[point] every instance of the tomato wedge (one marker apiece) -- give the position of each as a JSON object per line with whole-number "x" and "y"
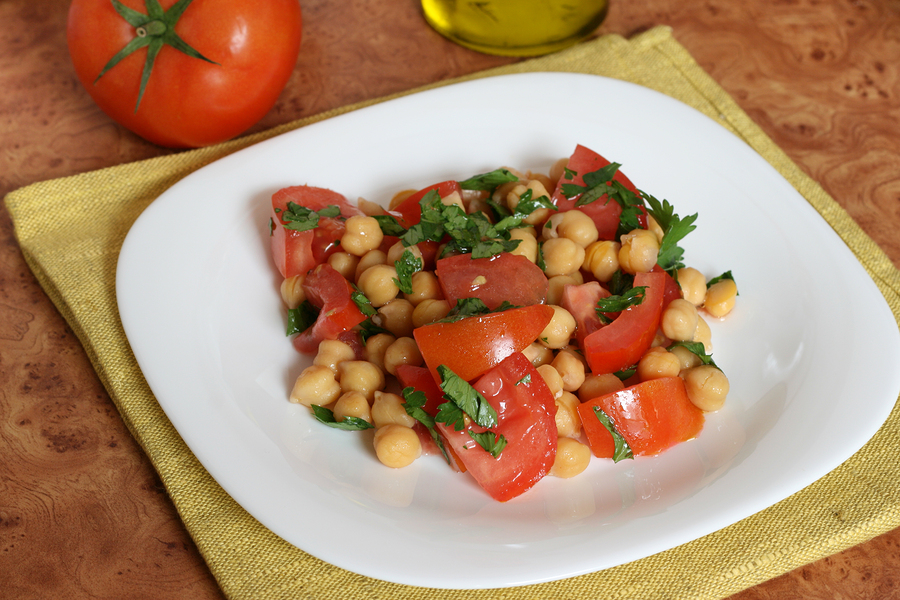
{"x": 604, "y": 212}
{"x": 504, "y": 277}
{"x": 327, "y": 290}
{"x": 296, "y": 252}
{"x": 581, "y": 302}
{"x": 411, "y": 212}
{"x": 472, "y": 345}
{"x": 621, "y": 344}
{"x": 652, "y": 416}
{"x": 526, "y": 417}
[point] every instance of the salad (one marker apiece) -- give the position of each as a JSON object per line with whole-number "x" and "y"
{"x": 517, "y": 324}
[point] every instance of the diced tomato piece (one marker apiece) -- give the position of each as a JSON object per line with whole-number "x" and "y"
{"x": 410, "y": 212}
{"x": 472, "y": 345}
{"x": 604, "y": 212}
{"x": 504, "y": 277}
{"x": 581, "y": 302}
{"x": 296, "y": 252}
{"x": 652, "y": 416}
{"x": 526, "y": 417}
{"x": 621, "y": 344}
{"x": 327, "y": 290}
{"x": 672, "y": 289}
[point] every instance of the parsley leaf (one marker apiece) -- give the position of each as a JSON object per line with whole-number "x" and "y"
{"x": 698, "y": 349}
{"x": 625, "y": 373}
{"x": 406, "y": 267}
{"x": 472, "y": 307}
{"x": 326, "y": 415}
{"x": 622, "y": 450}
{"x": 596, "y": 185}
{"x": 301, "y": 218}
{"x": 492, "y": 443}
{"x": 414, "y": 400}
{"x": 368, "y": 328}
{"x": 301, "y": 318}
{"x": 618, "y": 303}
{"x": 488, "y": 182}
{"x": 389, "y": 225}
{"x": 674, "y": 228}
{"x": 621, "y": 282}
{"x": 362, "y": 303}
{"x": 466, "y": 399}
{"x": 723, "y": 276}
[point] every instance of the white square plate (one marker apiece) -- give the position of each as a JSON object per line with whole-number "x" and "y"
{"x": 198, "y": 296}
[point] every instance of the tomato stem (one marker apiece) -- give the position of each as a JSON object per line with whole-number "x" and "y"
{"x": 151, "y": 28}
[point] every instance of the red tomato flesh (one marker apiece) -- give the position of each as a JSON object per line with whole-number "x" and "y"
{"x": 411, "y": 212}
{"x": 327, "y": 290}
{"x": 581, "y": 302}
{"x": 296, "y": 252}
{"x": 604, "y": 212}
{"x": 652, "y": 416}
{"x": 501, "y": 278}
{"x": 526, "y": 417}
{"x": 621, "y": 344}
{"x": 472, "y": 345}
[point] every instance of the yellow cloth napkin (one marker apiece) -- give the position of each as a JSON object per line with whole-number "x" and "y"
{"x": 73, "y": 251}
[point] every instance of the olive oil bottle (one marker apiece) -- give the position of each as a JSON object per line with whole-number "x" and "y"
{"x": 515, "y": 27}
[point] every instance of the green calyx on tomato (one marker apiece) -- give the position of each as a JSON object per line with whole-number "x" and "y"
{"x": 152, "y": 30}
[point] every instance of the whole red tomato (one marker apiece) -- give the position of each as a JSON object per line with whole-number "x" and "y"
{"x": 234, "y": 59}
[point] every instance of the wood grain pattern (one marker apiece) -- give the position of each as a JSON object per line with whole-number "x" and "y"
{"x": 83, "y": 514}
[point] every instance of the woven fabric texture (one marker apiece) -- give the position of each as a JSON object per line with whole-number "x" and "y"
{"x": 73, "y": 253}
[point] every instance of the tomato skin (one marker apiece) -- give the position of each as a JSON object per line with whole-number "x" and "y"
{"x": 189, "y": 102}
{"x": 526, "y": 417}
{"x": 604, "y": 212}
{"x": 507, "y": 277}
{"x": 296, "y": 252}
{"x": 472, "y": 345}
{"x": 621, "y": 344}
{"x": 652, "y": 416}
{"x": 410, "y": 211}
{"x": 327, "y": 290}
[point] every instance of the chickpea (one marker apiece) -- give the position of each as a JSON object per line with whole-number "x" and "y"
{"x": 548, "y": 183}
{"x": 559, "y": 330}
{"x": 428, "y": 311}
{"x": 720, "y": 298}
{"x": 361, "y": 234}
{"x": 703, "y": 334}
{"x": 396, "y": 317}
{"x": 528, "y": 246}
{"x": 397, "y": 446}
{"x": 425, "y": 286}
{"x": 578, "y": 227}
{"x": 352, "y": 404}
{"x": 476, "y": 204}
{"x": 639, "y": 251}
{"x": 654, "y": 226}
{"x": 376, "y": 346}
{"x": 562, "y": 256}
{"x": 453, "y": 198}
{"x": 403, "y": 351}
{"x": 693, "y": 285}
{"x": 292, "y": 292}
{"x": 369, "y": 259}
{"x": 556, "y": 287}
{"x": 388, "y": 409}
{"x": 568, "y": 422}
{"x": 315, "y": 385}
{"x": 537, "y": 190}
{"x": 595, "y": 386}
{"x": 360, "y": 376}
{"x": 572, "y": 458}
{"x": 370, "y": 208}
{"x": 396, "y": 251}
{"x": 706, "y": 387}
{"x": 377, "y": 283}
{"x": 501, "y": 194}
{"x": 333, "y": 352}
{"x": 601, "y": 259}
{"x": 558, "y": 170}
{"x": 679, "y": 320}
{"x": 345, "y": 264}
{"x": 538, "y": 354}
{"x": 686, "y": 358}
{"x": 570, "y": 369}
{"x": 552, "y": 379}
{"x": 658, "y": 363}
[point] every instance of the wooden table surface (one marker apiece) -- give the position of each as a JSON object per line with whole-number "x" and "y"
{"x": 82, "y": 512}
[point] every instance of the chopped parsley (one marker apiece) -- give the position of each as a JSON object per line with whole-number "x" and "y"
{"x": 722, "y": 277}
{"x": 674, "y": 228}
{"x": 488, "y": 182}
{"x": 362, "y": 303}
{"x": 699, "y": 350}
{"x": 300, "y": 218}
{"x": 619, "y": 302}
{"x": 301, "y": 318}
{"x": 390, "y": 225}
{"x": 622, "y": 450}
{"x": 406, "y": 267}
{"x": 414, "y": 401}
{"x": 492, "y": 443}
{"x": 326, "y": 415}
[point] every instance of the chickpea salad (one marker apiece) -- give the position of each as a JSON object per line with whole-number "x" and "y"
{"x": 516, "y": 324}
